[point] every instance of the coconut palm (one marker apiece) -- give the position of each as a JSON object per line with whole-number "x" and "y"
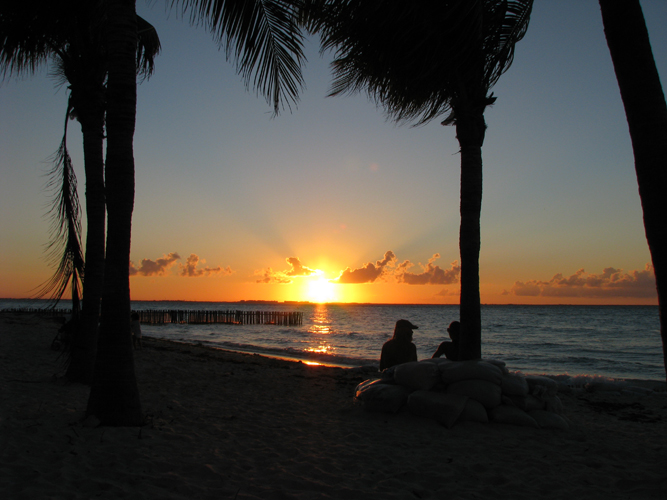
{"x": 422, "y": 60}
{"x": 69, "y": 35}
{"x": 646, "y": 112}
{"x": 263, "y": 39}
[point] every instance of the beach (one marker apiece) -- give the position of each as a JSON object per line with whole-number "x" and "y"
{"x": 222, "y": 424}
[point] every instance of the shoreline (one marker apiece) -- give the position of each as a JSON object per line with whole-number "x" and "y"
{"x": 577, "y": 381}
{"x": 224, "y": 424}
{"x": 293, "y": 359}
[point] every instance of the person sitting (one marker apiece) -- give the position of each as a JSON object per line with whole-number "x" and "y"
{"x": 399, "y": 349}
{"x": 450, "y": 349}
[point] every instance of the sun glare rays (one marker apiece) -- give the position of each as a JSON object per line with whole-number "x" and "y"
{"x": 320, "y": 289}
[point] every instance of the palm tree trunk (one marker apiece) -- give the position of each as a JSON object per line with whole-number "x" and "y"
{"x": 114, "y": 395}
{"x": 646, "y": 112}
{"x": 470, "y": 130}
{"x": 90, "y": 109}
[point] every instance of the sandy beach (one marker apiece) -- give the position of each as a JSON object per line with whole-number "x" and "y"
{"x": 224, "y": 425}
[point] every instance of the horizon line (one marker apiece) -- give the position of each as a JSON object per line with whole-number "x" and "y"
{"x": 307, "y": 302}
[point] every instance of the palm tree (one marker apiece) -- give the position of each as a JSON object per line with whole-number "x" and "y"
{"x": 646, "y": 112}
{"x": 264, "y": 40}
{"x": 29, "y": 37}
{"x": 71, "y": 35}
{"x": 420, "y": 61}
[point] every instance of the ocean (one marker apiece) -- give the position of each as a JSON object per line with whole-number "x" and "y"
{"x": 620, "y": 342}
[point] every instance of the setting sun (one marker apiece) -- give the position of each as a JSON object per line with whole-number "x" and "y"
{"x": 321, "y": 290}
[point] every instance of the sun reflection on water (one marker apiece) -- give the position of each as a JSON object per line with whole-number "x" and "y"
{"x": 321, "y": 324}
{"x": 321, "y": 321}
{"x": 321, "y": 349}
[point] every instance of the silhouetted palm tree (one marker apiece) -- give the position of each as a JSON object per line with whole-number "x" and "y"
{"x": 646, "y": 112}
{"x": 264, "y": 40}
{"x": 71, "y": 35}
{"x": 421, "y": 60}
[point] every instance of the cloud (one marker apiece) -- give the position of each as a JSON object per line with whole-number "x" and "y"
{"x": 189, "y": 269}
{"x": 162, "y": 266}
{"x": 431, "y": 274}
{"x": 154, "y": 267}
{"x": 610, "y": 283}
{"x": 270, "y": 276}
{"x": 298, "y": 269}
{"x": 369, "y": 272}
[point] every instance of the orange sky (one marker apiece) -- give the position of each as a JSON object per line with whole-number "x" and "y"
{"x": 232, "y": 204}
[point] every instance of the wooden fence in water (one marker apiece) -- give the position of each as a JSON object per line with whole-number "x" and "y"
{"x": 199, "y": 317}
{"x": 195, "y": 317}
{"x": 42, "y": 311}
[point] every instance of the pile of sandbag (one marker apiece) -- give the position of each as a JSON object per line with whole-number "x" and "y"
{"x": 456, "y": 391}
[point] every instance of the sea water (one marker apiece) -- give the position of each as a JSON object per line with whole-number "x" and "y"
{"x": 608, "y": 341}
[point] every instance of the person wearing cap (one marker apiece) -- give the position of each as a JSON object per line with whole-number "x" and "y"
{"x": 450, "y": 349}
{"x": 399, "y": 349}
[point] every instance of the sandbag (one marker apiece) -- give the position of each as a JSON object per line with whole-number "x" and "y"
{"x": 388, "y": 374}
{"x": 456, "y": 371}
{"x": 554, "y": 405}
{"x": 437, "y": 361}
{"x": 474, "y": 411}
{"x": 379, "y": 396}
{"x": 417, "y": 375}
{"x": 483, "y": 391}
{"x": 363, "y": 385}
{"x": 549, "y": 420}
{"x": 445, "y": 408}
{"x": 496, "y": 362}
{"x": 506, "y": 414}
{"x": 540, "y": 385}
{"x": 526, "y": 403}
{"x": 514, "y": 384}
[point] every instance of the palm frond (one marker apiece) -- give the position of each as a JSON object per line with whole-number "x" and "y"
{"x": 23, "y": 46}
{"x": 419, "y": 59}
{"x": 148, "y": 47}
{"x": 509, "y": 27}
{"x": 264, "y": 40}
{"x": 64, "y": 249}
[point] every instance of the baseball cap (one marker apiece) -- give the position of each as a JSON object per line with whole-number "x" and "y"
{"x": 404, "y": 323}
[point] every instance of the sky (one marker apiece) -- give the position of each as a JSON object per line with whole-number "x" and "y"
{"x": 332, "y": 201}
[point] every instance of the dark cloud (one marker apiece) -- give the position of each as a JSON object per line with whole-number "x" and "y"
{"x": 157, "y": 267}
{"x": 190, "y": 268}
{"x": 610, "y": 283}
{"x": 431, "y": 274}
{"x": 368, "y": 273}
{"x": 297, "y": 269}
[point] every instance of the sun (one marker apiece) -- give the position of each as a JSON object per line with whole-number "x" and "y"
{"x": 321, "y": 290}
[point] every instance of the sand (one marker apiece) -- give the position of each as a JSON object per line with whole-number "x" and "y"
{"x": 225, "y": 425}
